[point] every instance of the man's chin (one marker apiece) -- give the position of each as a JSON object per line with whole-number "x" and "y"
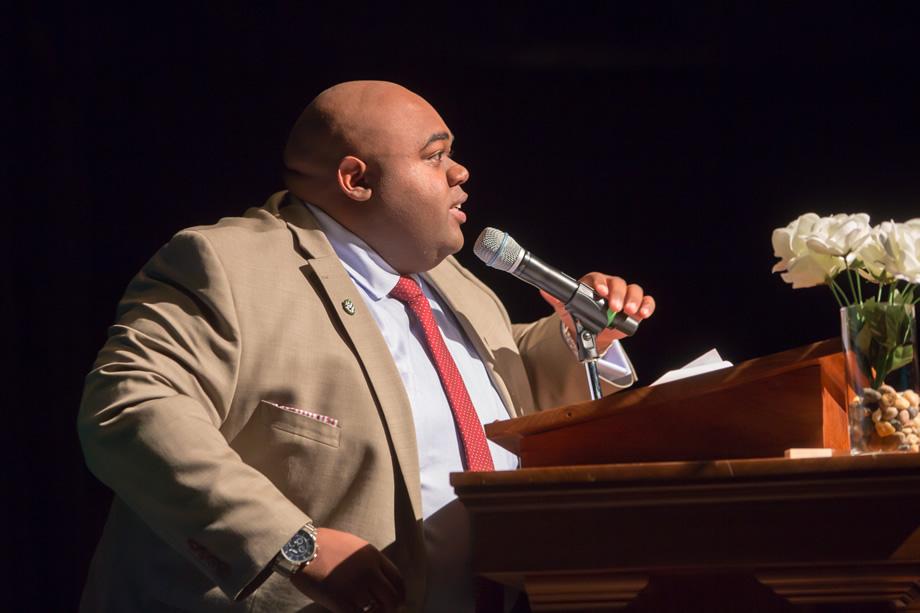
{"x": 448, "y": 249}
{"x": 457, "y": 244}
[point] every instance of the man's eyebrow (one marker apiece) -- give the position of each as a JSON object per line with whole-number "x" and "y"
{"x": 436, "y": 137}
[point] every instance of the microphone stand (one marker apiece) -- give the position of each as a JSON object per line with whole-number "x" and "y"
{"x": 586, "y": 343}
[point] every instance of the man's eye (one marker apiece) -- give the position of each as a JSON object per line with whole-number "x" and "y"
{"x": 440, "y": 155}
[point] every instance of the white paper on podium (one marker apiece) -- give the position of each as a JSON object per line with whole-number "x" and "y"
{"x": 708, "y": 362}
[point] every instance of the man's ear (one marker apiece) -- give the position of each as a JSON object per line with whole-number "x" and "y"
{"x": 352, "y": 180}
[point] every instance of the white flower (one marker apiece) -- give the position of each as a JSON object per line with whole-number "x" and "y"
{"x": 839, "y": 235}
{"x": 871, "y": 255}
{"x": 891, "y": 252}
{"x": 902, "y": 251}
{"x": 801, "y": 266}
{"x": 789, "y": 242}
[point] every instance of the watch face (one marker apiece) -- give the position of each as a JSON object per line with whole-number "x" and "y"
{"x": 300, "y": 548}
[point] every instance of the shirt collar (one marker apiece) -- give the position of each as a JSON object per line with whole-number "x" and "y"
{"x": 363, "y": 264}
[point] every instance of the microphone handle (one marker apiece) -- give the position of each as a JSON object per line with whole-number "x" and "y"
{"x": 579, "y": 299}
{"x": 554, "y": 282}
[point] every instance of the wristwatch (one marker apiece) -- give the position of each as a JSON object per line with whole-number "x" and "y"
{"x": 297, "y": 552}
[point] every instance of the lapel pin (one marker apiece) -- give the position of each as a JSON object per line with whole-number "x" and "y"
{"x": 349, "y": 306}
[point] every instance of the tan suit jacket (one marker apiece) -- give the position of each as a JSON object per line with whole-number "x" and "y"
{"x": 179, "y": 413}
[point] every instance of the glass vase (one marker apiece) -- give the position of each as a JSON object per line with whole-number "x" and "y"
{"x": 880, "y": 345}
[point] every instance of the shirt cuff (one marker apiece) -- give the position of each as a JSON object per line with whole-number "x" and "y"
{"x": 613, "y": 366}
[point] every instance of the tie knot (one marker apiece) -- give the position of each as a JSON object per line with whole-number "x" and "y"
{"x": 407, "y": 290}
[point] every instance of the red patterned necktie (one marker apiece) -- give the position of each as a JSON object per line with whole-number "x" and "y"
{"x": 475, "y": 447}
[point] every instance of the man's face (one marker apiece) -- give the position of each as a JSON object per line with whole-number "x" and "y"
{"x": 417, "y": 193}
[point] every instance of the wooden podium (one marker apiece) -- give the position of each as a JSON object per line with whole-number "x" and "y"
{"x": 756, "y": 409}
{"x": 628, "y": 503}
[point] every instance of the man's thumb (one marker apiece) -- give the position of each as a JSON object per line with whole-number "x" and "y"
{"x": 552, "y": 300}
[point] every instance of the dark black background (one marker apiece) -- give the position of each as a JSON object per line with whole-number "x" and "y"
{"x": 659, "y": 141}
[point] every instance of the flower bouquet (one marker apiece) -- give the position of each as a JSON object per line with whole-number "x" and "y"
{"x": 874, "y": 273}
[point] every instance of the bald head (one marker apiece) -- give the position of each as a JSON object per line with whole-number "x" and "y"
{"x": 377, "y": 158}
{"x": 356, "y": 118}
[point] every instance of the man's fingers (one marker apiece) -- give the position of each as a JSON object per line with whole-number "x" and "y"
{"x": 552, "y": 300}
{"x": 617, "y": 294}
{"x": 633, "y": 300}
{"x": 611, "y": 288}
{"x": 384, "y": 595}
{"x": 386, "y": 587}
{"x": 560, "y": 309}
{"x": 351, "y": 575}
{"x": 393, "y": 575}
{"x": 620, "y": 296}
{"x": 647, "y": 308}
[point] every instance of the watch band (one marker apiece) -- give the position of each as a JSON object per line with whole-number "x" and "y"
{"x": 283, "y": 566}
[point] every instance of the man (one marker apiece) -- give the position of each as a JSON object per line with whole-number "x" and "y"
{"x": 274, "y": 394}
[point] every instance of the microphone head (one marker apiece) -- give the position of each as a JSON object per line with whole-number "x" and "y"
{"x": 498, "y": 250}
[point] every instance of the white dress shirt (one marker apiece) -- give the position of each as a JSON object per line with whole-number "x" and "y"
{"x": 438, "y": 442}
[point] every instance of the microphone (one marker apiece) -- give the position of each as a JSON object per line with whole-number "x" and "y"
{"x": 498, "y": 250}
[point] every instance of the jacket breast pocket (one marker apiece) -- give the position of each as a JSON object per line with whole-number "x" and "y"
{"x": 300, "y": 422}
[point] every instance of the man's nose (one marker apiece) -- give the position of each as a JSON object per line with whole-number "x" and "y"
{"x": 457, "y": 175}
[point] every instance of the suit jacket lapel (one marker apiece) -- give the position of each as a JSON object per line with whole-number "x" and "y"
{"x": 367, "y": 340}
{"x": 476, "y": 327}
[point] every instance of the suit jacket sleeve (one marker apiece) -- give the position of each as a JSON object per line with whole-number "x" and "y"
{"x": 151, "y": 415}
